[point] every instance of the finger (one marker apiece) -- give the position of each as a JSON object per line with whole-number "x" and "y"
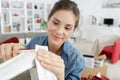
{"x": 55, "y": 58}
{"x": 49, "y": 57}
{"x": 44, "y": 59}
{"x": 46, "y": 66}
{"x": 58, "y": 62}
{"x": 41, "y": 53}
{"x": 49, "y": 67}
{"x": 3, "y": 51}
{"x": 54, "y": 69}
{"x": 44, "y": 53}
{"x": 15, "y": 51}
{"x": 16, "y": 48}
{"x": 8, "y": 51}
{"x": 51, "y": 61}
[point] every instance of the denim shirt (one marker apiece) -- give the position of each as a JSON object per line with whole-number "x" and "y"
{"x": 73, "y": 59}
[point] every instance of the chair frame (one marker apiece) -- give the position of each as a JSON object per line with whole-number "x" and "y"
{"x": 114, "y": 55}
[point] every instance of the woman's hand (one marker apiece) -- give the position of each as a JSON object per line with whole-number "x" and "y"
{"x": 51, "y": 62}
{"x": 9, "y": 50}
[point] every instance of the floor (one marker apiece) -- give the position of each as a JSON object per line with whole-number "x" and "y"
{"x": 113, "y": 70}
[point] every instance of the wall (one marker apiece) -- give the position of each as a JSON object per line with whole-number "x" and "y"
{"x": 94, "y": 7}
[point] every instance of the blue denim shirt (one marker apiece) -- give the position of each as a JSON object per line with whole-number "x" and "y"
{"x": 73, "y": 59}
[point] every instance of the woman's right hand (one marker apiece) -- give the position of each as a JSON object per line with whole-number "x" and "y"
{"x": 9, "y": 50}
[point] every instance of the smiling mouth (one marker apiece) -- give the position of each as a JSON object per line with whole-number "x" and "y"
{"x": 56, "y": 38}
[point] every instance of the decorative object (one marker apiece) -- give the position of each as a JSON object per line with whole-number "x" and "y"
{"x": 111, "y": 4}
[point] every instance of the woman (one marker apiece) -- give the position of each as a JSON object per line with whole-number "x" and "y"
{"x": 62, "y": 58}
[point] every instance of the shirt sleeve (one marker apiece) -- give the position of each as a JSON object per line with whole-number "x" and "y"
{"x": 32, "y": 42}
{"x": 40, "y": 40}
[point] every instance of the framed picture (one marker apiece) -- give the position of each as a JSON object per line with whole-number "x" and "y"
{"x": 111, "y": 4}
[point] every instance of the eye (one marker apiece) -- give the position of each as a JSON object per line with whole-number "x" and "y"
{"x": 55, "y": 23}
{"x": 68, "y": 27}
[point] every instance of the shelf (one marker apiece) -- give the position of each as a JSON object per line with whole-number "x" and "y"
{"x": 22, "y": 16}
{"x": 5, "y": 9}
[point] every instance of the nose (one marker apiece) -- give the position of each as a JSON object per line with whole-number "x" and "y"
{"x": 60, "y": 30}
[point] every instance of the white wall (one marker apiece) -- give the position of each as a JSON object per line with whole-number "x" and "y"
{"x": 91, "y": 7}
{"x": 94, "y": 7}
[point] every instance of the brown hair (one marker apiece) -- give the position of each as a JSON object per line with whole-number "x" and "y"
{"x": 66, "y": 5}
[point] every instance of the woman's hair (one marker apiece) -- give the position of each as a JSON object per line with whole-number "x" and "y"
{"x": 66, "y": 5}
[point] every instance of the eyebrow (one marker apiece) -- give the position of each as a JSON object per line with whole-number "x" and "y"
{"x": 56, "y": 19}
{"x": 59, "y": 21}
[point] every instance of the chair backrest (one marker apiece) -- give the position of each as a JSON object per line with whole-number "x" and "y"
{"x": 11, "y": 40}
{"x": 116, "y": 51}
{"x": 103, "y": 41}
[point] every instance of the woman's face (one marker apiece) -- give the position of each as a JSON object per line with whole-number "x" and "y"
{"x": 61, "y": 26}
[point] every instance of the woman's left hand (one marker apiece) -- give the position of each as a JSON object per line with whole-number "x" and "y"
{"x": 51, "y": 62}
